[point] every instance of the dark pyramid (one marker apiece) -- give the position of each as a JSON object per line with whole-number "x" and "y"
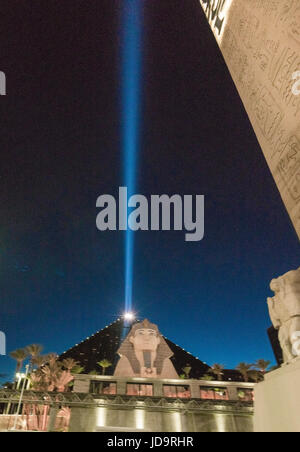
{"x": 105, "y": 343}
{"x": 102, "y": 345}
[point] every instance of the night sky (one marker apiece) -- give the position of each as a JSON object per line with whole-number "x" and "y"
{"x": 61, "y": 279}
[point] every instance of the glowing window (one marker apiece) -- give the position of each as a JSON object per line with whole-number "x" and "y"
{"x": 103, "y": 387}
{"x": 245, "y": 395}
{"x": 134, "y": 389}
{"x": 177, "y": 392}
{"x": 214, "y": 393}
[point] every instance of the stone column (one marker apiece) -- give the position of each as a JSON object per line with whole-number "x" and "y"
{"x": 232, "y": 393}
{"x": 52, "y": 418}
{"x": 260, "y": 42}
{"x": 195, "y": 389}
{"x": 157, "y": 389}
{"x": 122, "y": 387}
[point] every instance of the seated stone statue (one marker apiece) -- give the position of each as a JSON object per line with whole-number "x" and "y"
{"x": 145, "y": 353}
{"x": 284, "y": 309}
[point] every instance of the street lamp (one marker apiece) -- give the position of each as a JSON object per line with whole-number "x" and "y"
{"x": 21, "y": 396}
{"x": 19, "y": 377}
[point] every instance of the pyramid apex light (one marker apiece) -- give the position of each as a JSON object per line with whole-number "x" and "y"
{"x": 129, "y": 316}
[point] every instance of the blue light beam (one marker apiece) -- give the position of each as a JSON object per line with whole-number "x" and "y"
{"x": 131, "y": 94}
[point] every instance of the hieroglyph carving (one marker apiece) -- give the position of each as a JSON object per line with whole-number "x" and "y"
{"x": 260, "y": 41}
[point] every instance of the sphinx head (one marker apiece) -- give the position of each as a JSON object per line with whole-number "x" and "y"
{"x": 275, "y": 285}
{"x": 145, "y": 336}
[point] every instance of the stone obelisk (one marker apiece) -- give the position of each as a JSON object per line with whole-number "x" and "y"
{"x": 260, "y": 41}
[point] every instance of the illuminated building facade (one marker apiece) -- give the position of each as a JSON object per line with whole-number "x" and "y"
{"x": 153, "y": 385}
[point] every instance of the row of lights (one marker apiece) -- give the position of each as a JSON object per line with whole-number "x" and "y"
{"x": 127, "y": 316}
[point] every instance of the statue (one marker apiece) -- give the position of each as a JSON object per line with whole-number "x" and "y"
{"x": 284, "y": 309}
{"x": 145, "y": 353}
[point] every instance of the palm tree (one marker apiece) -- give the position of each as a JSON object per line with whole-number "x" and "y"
{"x": 34, "y": 351}
{"x": 7, "y": 385}
{"x": 69, "y": 364}
{"x": 186, "y": 369}
{"x": 207, "y": 377}
{"x": 218, "y": 370}
{"x": 243, "y": 369}
{"x": 78, "y": 370}
{"x": 72, "y": 366}
{"x": 104, "y": 364}
{"x": 19, "y": 355}
{"x": 262, "y": 365}
{"x": 52, "y": 358}
{"x": 255, "y": 375}
{"x": 40, "y": 360}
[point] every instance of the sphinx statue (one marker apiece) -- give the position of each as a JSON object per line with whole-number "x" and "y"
{"x": 284, "y": 310}
{"x": 145, "y": 353}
